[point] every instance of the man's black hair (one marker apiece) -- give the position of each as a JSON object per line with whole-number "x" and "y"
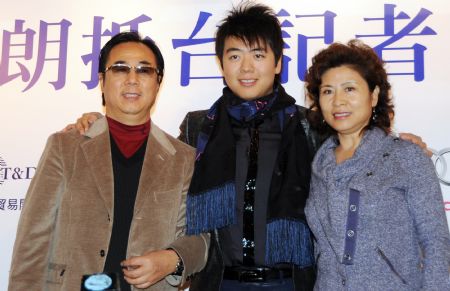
{"x": 129, "y": 36}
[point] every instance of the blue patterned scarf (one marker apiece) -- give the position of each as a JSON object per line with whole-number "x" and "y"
{"x": 211, "y": 201}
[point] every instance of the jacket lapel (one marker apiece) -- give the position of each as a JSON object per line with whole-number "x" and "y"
{"x": 153, "y": 178}
{"x": 97, "y": 151}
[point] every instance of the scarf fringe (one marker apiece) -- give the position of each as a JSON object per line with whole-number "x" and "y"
{"x": 289, "y": 241}
{"x": 210, "y": 210}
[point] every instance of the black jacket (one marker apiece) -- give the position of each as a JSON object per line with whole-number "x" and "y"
{"x": 210, "y": 277}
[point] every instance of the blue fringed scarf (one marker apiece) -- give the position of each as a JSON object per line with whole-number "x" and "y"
{"x": 211, "y": 201}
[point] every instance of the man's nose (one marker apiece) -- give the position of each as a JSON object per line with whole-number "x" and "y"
{"x": 132, "y": 76}
{"x": 247, "y": 64}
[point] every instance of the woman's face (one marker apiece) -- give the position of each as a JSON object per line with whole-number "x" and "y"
{"x": 346, "y": 101}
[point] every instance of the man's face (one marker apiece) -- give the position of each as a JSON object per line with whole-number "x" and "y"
{"x": 129, "y": 95}
{"x": 249, "y": 71}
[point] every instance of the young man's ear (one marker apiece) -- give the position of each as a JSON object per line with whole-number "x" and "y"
{"x": 219, "y": 62}
{"x": 278, "y": 66}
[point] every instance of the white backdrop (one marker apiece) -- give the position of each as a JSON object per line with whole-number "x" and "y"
{"x": 42, "y": 69}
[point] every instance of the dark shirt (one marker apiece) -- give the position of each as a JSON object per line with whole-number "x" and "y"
{"x": 231, "y": 236}
{"x": 127, "y": 172}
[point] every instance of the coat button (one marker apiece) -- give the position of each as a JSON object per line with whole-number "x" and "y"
{"x": 353, "y": 208}
{"x": 102, "y": 253}
{"x": 347, "y": 257}
{"x": 368, "y": 174}
{"x": 350, "y": 233}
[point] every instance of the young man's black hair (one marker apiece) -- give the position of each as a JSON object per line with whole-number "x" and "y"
{"x": 255, "y": 25}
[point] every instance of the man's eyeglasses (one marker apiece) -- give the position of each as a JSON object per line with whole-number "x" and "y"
{"x": 125, "y": 69}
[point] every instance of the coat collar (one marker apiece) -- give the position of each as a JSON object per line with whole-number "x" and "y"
{"x": 101, "y": 126}
{"x": 97, "y": 151}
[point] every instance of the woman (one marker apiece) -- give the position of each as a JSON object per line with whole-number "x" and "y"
{"x": 375, "y": 205}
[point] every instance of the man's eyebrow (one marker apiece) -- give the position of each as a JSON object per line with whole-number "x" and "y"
{"x": 233, "y": 49}
{"x": 257, "y": 49}
{"x": 144, "y": 62}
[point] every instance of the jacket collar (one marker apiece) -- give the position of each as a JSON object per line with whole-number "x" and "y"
{"x": 97, "y": 151}
{"x": 101, "y": 126}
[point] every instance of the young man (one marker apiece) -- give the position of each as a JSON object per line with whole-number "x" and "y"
{"x": 113, "y": 199}
{"x": 251, "y": 177}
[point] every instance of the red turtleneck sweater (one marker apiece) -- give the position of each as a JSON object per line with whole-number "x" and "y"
{"x": 128, "y": 137}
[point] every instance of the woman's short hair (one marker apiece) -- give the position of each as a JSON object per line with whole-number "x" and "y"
{"x": 361, "y": 58}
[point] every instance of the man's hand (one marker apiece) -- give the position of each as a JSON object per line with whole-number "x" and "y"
{"x": 84, "y": 122}
{"x": 418, "y": 141}
{"x": 146, "y": 270}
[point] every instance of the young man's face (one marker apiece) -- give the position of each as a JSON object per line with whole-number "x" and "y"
{"x": 249, "y": 71}
{"x": 129, "y": 95}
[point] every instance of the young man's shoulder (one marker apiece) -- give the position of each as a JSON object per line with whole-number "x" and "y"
{"x": 178, "y": 145}
{"x": 196, "y": 115}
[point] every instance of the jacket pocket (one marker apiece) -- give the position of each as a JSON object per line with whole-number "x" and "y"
{"x": 390, "y": 265}
{"x": 56, "y": 273}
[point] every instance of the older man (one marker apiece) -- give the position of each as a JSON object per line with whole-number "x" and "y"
{"x": 113, "y": 199}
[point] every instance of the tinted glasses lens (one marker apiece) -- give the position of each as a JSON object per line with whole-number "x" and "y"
{"x": 145, "y": 70}
{"x": 120, "y": 68}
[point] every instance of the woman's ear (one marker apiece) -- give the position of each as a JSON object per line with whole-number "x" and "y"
{"x": 375, "y": 94}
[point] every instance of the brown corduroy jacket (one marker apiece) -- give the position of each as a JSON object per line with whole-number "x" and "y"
{"x": 66, "y": 223}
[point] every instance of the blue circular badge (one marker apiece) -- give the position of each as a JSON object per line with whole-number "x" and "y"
{"x": 98, "y": 282}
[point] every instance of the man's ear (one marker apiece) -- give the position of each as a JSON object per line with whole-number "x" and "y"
{"x": 100, "y": 80}
{"x": 278, "y": 66}
{"x": 220, "y": 62}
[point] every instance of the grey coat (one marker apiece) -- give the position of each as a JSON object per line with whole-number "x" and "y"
{"x": 378, "y": 218}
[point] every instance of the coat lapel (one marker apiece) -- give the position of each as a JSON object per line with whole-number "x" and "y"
{"x": 97, "y": 151}
{"x": 153, "y": 178}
